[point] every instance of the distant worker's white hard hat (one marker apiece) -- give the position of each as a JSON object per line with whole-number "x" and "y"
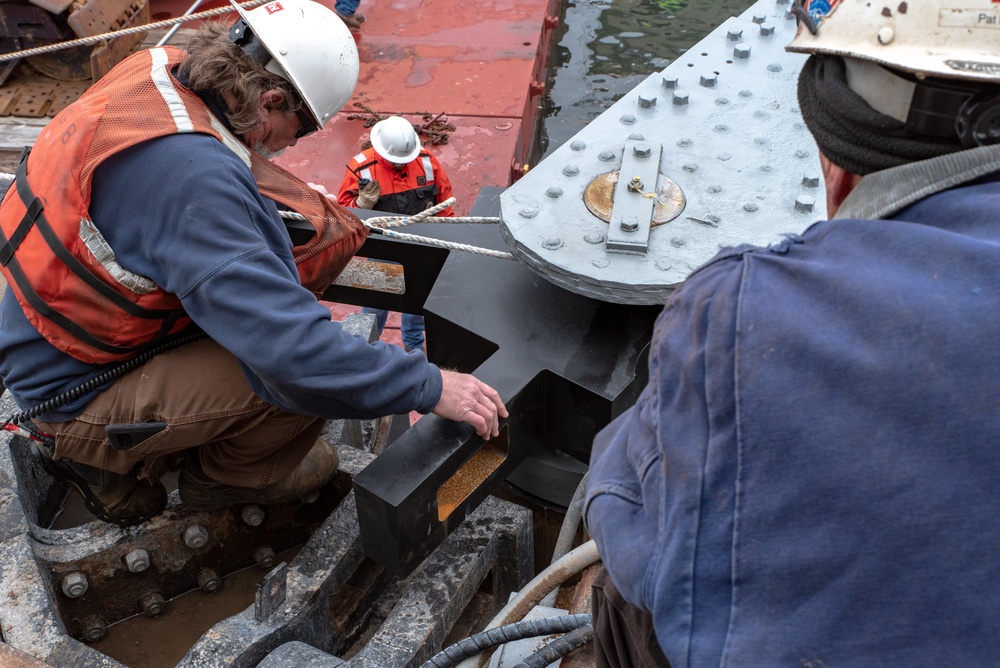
{"x": 953, "y": 39}
{"x": 306, "y": 44}
{"x": 395, "y": 140}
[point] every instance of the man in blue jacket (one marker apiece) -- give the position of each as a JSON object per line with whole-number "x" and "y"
{"x": 122, "y": 227}
{"x": 810, "y": 476}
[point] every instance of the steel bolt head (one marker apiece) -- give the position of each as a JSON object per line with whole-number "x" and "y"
{"x": 680, "y": 99}
{"x": 741, "y": 51}
{"x": 253, "y": 515}
{"x": 554, "y": 192}
{"x": 627, "y": 119}
{"x": 578, "y": 145}
{"x": 553, "y": 243}
{"x": 196, "y": 536}
{"x": 264, "y": 556}
{"x": 709, "y": 80}
{"x": 153, "y": 604}
{"x": 759, "y": 18}
{"x": 137, "y": 560}
{"x": 804, "y": 203}
{"x": 642, "y": 150}
{"x": 630, "y": 224}
{"x": 810, "y": 180}
{"x": 734, "y": 35}
{"x": 571, "y": 170}
{"x": 647, "y": 101}
{"x": 766, "y": 30}
{"x": 670, "y": 82}
{"x": 606, "y": 156}
{"x": 74, "y": 584}
{"x": 208, "y": 580}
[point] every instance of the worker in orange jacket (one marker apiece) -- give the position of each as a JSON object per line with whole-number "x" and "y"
{"x": 396, "y": 175}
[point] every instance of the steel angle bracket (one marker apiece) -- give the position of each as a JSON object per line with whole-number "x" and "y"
{"x": 635, "y": 196}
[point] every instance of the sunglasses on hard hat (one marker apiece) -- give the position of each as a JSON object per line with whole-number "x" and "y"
{"x": 306, "y": 125}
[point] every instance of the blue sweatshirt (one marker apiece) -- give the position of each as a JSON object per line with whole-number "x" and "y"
{"x": 810, "y": 478}
{"x": 185, "y": 211}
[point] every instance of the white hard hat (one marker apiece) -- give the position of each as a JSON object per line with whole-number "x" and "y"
{"x": 955, "y": 39}
{"x": 395, "y": 140}
{"x": 309, "y": 46}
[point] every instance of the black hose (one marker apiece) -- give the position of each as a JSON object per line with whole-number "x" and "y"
{"x": 101, "y": 379}
{"x": 559, "y": 648}
{"x": 528, "y": 628}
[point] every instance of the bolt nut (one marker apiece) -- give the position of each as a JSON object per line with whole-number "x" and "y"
{"x": 680, "y": 99}
{"x": 742, "y": 51}
{"x": 766, "y": 30}
{"x": 759, "y": 18}
{"x": 647, "y": 101}
{"x": 670, "y": 82}
{"x": 137, "y": 560}
{"x": 709, "y": 80}
{"x": 153, "y": 604}
{"x": 734, "y": 35}
{"x": 74, "y": 584}
{"x": 804, "y": 203}
{"x": 642, "y": 150}
{"x": 208, "y": 580}
{"x": 253, "y": 515}
{"x": 630, "y": 224}
{"x": 196, "y": 536}
{"x": 810, "y": 180}
{"x": 93, "y": 628}
{"x": 264, "y": 556}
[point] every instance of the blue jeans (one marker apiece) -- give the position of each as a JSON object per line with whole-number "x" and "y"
{"x": 347, "y": 7}
{"x": 412, "y": 327}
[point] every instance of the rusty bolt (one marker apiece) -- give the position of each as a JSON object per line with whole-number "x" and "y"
{"x": 75, "y": 584}
{"x": 93, "y": 628}
{"x": 253, "y": 515}
{"x": 195, "y": 536}
{"x": 208, "y": 580}
{"x": 153, "y": 604}
{"x": 264, "y": 556}
{"x": 137, "y": 560}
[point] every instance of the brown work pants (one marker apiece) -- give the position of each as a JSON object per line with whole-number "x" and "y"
{"x": 623, "y": 634}
{"x": 201, "y": 393}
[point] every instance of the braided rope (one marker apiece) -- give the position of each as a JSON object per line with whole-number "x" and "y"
{"x": 93, "y": 39}
{"x": 381, "y": 223}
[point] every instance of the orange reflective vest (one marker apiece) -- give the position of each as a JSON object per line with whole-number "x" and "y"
{"x": 62, "y": 271}
{"x": 410, "y": 189}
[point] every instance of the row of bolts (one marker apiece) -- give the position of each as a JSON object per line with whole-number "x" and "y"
{"x": 75, "y": 584}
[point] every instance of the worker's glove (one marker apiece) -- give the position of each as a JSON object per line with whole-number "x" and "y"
{"x": 369, "y": 195}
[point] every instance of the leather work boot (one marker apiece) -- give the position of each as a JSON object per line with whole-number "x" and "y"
{"x": 199, "y": 492}
{"x": 116, "y": 498}
{"x": 352, "y": 20}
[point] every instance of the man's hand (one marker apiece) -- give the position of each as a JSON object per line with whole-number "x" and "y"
{"x": 369, "y": 195}
{"x": 320, "y": 188}
{"x": 465, "y": 398}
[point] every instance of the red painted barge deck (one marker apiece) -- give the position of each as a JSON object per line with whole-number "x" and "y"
{"x": 480, "y": 62}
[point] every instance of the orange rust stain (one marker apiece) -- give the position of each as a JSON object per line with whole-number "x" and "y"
{"x": 470, "y": 476}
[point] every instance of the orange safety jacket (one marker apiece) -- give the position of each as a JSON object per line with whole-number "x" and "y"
{"x": 60, "y": 267}
{"x": 410, "y": 189}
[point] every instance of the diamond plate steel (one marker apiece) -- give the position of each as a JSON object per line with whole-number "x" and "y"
{"x": 733, "y": 140}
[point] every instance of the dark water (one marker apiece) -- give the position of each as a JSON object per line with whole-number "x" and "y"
{"x": 603, "y": 49}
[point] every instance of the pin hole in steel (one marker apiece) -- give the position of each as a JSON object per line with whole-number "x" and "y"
{"x": 472, "y": 474}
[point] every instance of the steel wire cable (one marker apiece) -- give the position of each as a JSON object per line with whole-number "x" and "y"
{"x": 146, "y": 27}
{"x": 529, "y": 628}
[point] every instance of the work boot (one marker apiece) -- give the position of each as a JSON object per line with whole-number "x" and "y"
{"x": 352, "y": 20}
{"x": 117, "y": 498}
{"x": 199, "y": 492}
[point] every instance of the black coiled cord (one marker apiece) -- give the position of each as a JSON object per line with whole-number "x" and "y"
{"x": 100, "y": 379}
{"x": 559, "y": 648}
{"x": 530, "y": 628}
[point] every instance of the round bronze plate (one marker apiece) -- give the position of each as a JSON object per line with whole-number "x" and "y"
{"x": 600, "y": 196}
